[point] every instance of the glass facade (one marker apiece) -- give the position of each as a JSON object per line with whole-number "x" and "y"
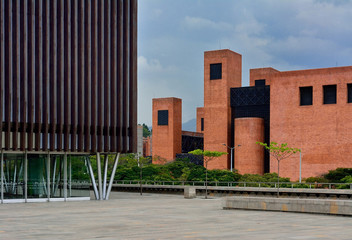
{"x": 43, "y": 176}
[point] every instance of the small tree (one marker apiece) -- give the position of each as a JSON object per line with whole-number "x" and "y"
{"x": 207, "y": 157}
{"x": 279, "y": 152}
{"x": 134, "y": 160}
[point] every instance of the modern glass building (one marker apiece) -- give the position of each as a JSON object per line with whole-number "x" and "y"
{"x": 68, "y": 90}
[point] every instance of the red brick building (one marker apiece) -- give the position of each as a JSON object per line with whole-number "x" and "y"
{"x": 308, "y": 109}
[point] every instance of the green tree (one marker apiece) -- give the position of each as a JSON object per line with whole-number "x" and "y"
{"x": 279, "y": 152}
{"x": 146, "y": 131}
{"x": 207, "y": 157}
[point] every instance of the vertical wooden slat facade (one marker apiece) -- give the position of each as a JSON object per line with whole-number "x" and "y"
{"x": 2, "y": 65}
{"x": 8, "y": 72}
{"x": 68, "y": 79}
{"x": 46, "y": 72}
{"x": 16, "y": 70}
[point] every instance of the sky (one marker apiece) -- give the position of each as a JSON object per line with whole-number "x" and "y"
{"x": 283, "y": 34}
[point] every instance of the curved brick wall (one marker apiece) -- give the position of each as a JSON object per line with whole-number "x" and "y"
{"x": 249, "y": 157}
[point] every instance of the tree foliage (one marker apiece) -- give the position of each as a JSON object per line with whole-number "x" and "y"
{"x": 207, "y": 155}
{"x": 146, "y": 131}
{"x": 279, "y": 151}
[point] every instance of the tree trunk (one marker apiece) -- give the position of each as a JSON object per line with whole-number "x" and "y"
{"x": 206, "y": 183}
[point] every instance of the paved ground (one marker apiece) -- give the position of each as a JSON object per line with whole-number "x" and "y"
{"x": 157, "y": 216}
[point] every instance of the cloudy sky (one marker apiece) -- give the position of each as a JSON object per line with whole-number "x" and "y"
{"x": 285, "y": 35}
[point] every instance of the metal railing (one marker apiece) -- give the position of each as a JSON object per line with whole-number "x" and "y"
{"x": 242, "y": 184}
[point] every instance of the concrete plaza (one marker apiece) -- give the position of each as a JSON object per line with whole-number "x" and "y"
{"x": 161, "y": 216}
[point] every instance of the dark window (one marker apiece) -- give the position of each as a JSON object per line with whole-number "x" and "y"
{"x": 163, "y": 117}
{"x": 259, "y": 82}
{"x": 349, "y": 93}
{"x": 202, "y": 124}
{"x": 215, "y": 71}
{"x": 329, "y": 94}
{"x": 306, "y": 94}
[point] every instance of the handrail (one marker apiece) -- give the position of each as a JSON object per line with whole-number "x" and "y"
{"x": 242, "y": 184}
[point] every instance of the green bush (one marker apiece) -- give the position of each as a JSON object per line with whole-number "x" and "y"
{"x": 316, "y": 179}
{"x": 336, "y": 176}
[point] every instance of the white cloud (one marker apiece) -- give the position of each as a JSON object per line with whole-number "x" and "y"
{"x": 203, "y": 23}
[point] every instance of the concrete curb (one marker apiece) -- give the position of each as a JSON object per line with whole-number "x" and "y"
{"x": 322, "y": 206}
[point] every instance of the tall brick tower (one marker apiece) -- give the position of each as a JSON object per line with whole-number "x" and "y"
{"x": 167, "y": 128}
{"x": 222, "y": 71}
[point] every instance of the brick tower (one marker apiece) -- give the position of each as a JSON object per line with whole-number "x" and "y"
{"x": 222, "y": 71}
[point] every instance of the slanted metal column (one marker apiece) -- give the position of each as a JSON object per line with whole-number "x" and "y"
{"x": 106, "y": 162}
{"x": 25, "y": 177}
{"x": 65, "y": 176}
{"x": 99, "y": 176}
{"x": 92, "y": 179}
{"x": 2, "y": 176}
{"x": 112, "y": 176}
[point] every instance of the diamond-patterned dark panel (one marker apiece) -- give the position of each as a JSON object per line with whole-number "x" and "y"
{"x": 163, "y": 117}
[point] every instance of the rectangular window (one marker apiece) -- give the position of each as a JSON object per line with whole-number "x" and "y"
{"x": 306, "y": 96}
{"x": 215, "y": 71}
{"x": 259, "y": 82}
{"x": 329, "y": 94}
{"x": 202, "y": 124}
{"x": 163, "y": 117}
{"x": 349, "y": 92}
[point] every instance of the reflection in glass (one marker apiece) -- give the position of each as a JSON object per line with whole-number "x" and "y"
{"x": 13, "y": 166}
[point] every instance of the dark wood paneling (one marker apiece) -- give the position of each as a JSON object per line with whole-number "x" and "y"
{"x": 2, "y": 66}
{"x": 60, "y": 73}
{"x": 46, "y": 72}
{"x": 94, "y": 75}
{"x": 8, "y": 71}
{"x": 39, "y": 72}
{"x": 125, "y": 92}
{"x": 100, "y": 102}
{"x": 81, "y": 66}
{"x": 31, "y": 70}
{"x": 74, "y": 71}
{"x": 133, "y": 78}
{"x": 119, "y": 97}
{"x": 53, "y": 75}
{"x": 106, "y": 75}
{"x": 67, "y": 87}
{"x": 113, "y": 75}
{"x": 16, "y": 70}
{"x": 68, "y": 75}
{"x": 88, "y": 76}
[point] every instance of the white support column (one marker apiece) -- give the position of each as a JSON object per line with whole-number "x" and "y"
{"x": 92, "y": 178}
{"x": 106, "y": 163}
{"x": 99, "y": 177}
{"x": 25, "y": 177}
{"x": 112, "y": 176}
{"x": 54, "y": 173}
{"x": 65, "y": 176}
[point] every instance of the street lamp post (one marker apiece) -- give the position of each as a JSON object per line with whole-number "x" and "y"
{"x": 300, "y": 165}
{"x": 231, "y": 148}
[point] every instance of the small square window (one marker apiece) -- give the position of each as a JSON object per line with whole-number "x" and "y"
{"x": 215, "y": 71}
{"x": 306, "y": 96}
{"x": 202, "y": 124}
{"x": 259, "y": 82}
{"x": 349, "y": 92}
{"x": 163, "y": 117}
{"x": 329, "y": 94}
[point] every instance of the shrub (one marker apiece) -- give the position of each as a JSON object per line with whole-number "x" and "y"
{"x": 337, "y": 175}
{"x": 316, "y": 180}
